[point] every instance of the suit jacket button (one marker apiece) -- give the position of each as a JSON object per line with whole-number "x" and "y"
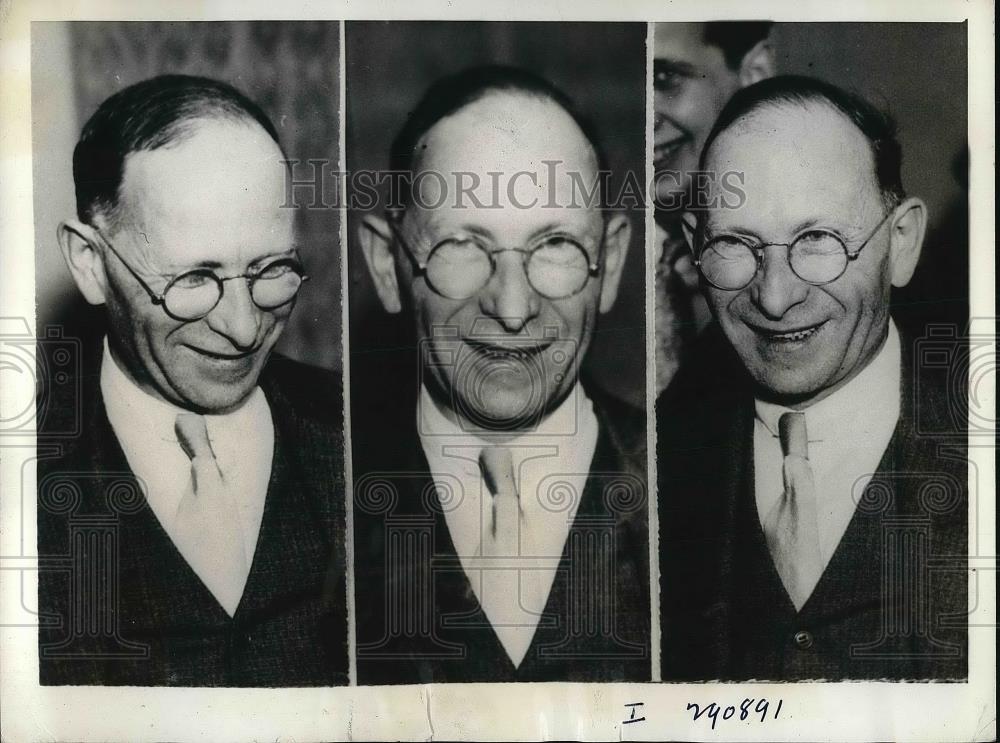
{"x": 803, "y": 640}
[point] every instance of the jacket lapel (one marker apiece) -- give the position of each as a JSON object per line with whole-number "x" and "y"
{"x": 552, "y": 645}
{"x": 158, "y": 589}
{"x": 852, "y": 580}
{"x": 294, "y": 537}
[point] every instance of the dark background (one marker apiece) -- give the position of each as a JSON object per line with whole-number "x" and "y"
{"x": 918, "y": 72}
{"x": 291, "y": 69}
{"x": 601, "y": 66}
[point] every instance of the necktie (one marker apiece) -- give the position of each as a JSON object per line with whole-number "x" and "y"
{"x": 207, "y": 527}
{"x": 792, "y": 529}
{"x": 509, "y": 595}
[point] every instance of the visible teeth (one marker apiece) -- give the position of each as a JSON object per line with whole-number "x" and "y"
{"x": 796, "y": 336}
{"x": 508, "y": 352}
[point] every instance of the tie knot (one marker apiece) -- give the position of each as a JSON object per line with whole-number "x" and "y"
{"x": 792, "y": 432}
{"x": 497, "y": 466}
{"x": 192, "y": 434}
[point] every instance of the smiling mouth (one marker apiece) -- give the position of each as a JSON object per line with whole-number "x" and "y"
{"x": 796, "y": 335}
{"x": 665, "y": 150}
{"x": 507, "y": 351}
{"x": 224, "y": 356}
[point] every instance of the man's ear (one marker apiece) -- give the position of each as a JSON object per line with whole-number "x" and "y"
{"x": 758, "y": 63}
{"x": 688, "y": 225}
{"x": 78, "y": 241}
{"x": 376, "y": 245}
{"x": 617, "y": 235}
{"x": 684, "y": 265}
{"x": 906, "y": 239}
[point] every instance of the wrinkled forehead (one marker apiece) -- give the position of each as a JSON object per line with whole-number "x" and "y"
{"x": 809, "y": 152}
{"x": 211, "y": 155}
{"x": 506, "y": 132}
{"x": 221, "y": 185}
{"x": 505, "y": 163}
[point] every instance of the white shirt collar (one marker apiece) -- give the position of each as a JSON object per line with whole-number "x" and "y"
{"x": 848, "y": 434}
{"x": 440, "y": 434}
{"x": 551, "y": 468}
{"x": 863, "y": 398}
{"x": 242, "y": 440}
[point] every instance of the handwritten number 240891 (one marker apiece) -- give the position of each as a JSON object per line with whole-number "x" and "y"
{"x": 744, "y": 711}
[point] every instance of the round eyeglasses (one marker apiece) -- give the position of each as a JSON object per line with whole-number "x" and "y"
{"x": 193, "y": 294}
{"x": 557, "y": 267}
{"x": 818, "y": 257}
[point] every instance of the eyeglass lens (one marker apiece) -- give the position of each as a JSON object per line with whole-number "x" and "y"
{"x": 817, "y": 257}
{"x": 196, "y": 293}
{"x": 460, "y": 268}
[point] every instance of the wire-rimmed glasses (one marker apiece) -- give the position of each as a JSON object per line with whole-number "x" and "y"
{"x": 817, "y": 256}
{"x": 557, "y": 266}
{"x": 191, "y": 295}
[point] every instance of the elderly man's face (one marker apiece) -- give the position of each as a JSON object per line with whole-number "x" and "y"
{"x": 209, "y": 201}
{"x": 504, "y": 356}
{"x": 805, "y": 168}
{"x": 691, "y": 84}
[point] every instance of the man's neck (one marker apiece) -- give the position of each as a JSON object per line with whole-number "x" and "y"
{"x": 807, "y": 400}
{"x": 500, "y": 433}
{"x": 548, "y": 421}
{"x": 147, "y": 387}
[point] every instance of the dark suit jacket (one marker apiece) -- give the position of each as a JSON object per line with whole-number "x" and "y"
{"x": 118, "y": 603}
{"x": 890, "y": 604}
{"x": 418, "y": 619}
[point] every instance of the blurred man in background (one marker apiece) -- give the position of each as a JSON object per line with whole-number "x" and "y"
{"x": 696, "y": 68}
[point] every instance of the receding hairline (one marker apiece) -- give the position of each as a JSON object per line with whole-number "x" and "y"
{"x": 185, "y": 131}
{"x": 495, "y": 92}
{"x": 805, "y": 106}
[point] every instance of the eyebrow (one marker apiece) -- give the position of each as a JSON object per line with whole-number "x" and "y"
{"x": 290, "y": 251}
{"x": 552, "y": 227}
{"x": 663, "y": 66}
{"x": 802, "y": 226}
{"x": 211, "y": 265}
{"x": 534, "y": 235}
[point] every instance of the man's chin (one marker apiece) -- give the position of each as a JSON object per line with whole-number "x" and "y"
{"x": 503, "y": 410}
{"x": 217, "y": 399}
{"x": 790, "y": 389}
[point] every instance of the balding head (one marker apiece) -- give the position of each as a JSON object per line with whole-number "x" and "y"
{"x": 450, "y": 95}
{"x": 505, "y": 267}
{"x": 799, "y": 274}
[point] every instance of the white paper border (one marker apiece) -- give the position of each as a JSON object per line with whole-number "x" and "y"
{"x": 846, "y": 711}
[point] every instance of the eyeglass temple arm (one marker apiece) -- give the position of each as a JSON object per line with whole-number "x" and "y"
{"x": 419, "y": 267}
{"x": 156, "y": 298}
{"x": 854, "y": 256}
{"x": 694, "y": 230}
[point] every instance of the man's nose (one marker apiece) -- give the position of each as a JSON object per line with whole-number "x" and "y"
{"x": 776, "y": 288}
{"x": 236, "y": 316}
{"x": 509, "y": 297}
